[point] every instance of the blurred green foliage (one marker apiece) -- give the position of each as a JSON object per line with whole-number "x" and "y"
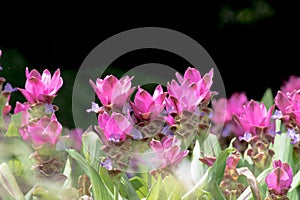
{"x": 248, "y": 15}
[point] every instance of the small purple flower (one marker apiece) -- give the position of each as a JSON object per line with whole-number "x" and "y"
{"x": 279, "y": 180}
{"x": 107, "y": 164}
{"x": 293, "y": 135}
{"x": 166, "y": 131}
{"x": 8, "y": 88}
{"x": 49, "y": 108}
{"x": 95, "y": 108}
{"x": 1, "y": 68}
{"x": 0, "y": 53}
{"x": 247, "y": 137}
{"x": 277, "y": 115}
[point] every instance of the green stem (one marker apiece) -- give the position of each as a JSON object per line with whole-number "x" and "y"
{"x": 116, "y": 190}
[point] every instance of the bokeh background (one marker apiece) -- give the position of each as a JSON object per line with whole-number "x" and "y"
{"x": 254, "y": 43}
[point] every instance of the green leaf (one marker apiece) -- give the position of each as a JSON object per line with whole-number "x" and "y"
{"x": 42, "y": 193}
{"x": 283, "y": 148}
{"x": 172, "y": 188}
{"x": 129, "y": 188}
{"x": 68, "y": 173}
{"x": 15, "y": 153}
{"x": 107, "y": 179}
{"x": 296, "y": 181}
{"x": 155, "y": 191}
{"x": 13, "y": 127}
{"x": 218, "y": 168}
{"x": 268, "y": 98}
{"x": 210, "y": 181}
{"x": 197, "y": 168}
{"x": 100, "y": 190}
{"x": 293, "y": 194}
{"x": 91, "y": 147}
{"x": 211, "y": 146}
{"x": 9, "y": 183}
{"x": 140, "y": 186}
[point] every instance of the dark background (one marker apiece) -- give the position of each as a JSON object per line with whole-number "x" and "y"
{"x": 255, "y": 44}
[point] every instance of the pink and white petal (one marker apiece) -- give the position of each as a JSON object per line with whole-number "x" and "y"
{"x": 24, "y": 133}
{"x": 158, "y": 91}
{"x": 21, "y": 107}
{"x": 179, "y": 77}
{"x": 46, "y": 77}
{"x": 103, "y": 120}
{"x": 156, "y": 146}
{"x": 245, "y": 124}
{"x": 27, "y": 95}
{"x": 208, "y": 78}
{"x": 282, "y": 102}
{"x": 36, "y": 87}
{"x": 192, "y": 74}
{"x": 32, "y": 73}
{"x": 54, "y": 130}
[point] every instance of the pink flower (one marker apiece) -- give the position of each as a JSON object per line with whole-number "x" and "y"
{"x": 255, "y": 116}
{"x": 232, "y": 160}
{"x": 168, "y": 153}
{"x": 292, "y": 84}
{"x": 115, "y": 127}
{"x": 279, "y": 180}
{"x": 289, "y": 105}
{"x": 21, "y": 107}
{"x": 147, "y": 107}
{"x": 45, "y": 130}
{"x": 41, "y": 88}
{"x": 113, "y": 92}
{"x": 190, "y": 92}
{"x": 74, "y": 138}
{"x": 223, "y": 109}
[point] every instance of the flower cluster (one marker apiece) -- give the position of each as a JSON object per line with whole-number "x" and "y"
{"x": 148, "y": 117}
{"x": 39, "y": 123}
{"x": 147, "y": 144}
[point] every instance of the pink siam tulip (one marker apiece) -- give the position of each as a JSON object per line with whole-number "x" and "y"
{"x": 225, "y": 109}
{"x": 147, "y": 107}
{"x": 41, "y": 88}
{"x": 190, "y": 92}
{"x": 168, "y": 153}
{"x": 115, "y": 127}
{"x": 259, "y": 132}
{"x": 292, "y": 84}
{"x": 255, "y": 117}
{"x": 279, "y": 180}
{"x": 289, "y": 105}
{"x": 46, "y": 130}
{"x": 230, "y": 185}
{"x": 112, "y": 92}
